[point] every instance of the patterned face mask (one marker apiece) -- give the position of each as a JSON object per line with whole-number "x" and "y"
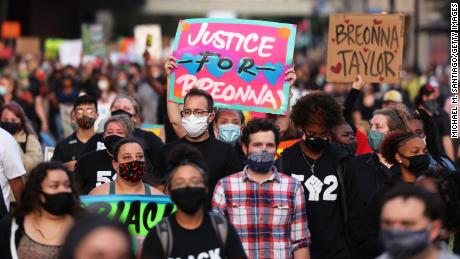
{"x": 132, "y": 171}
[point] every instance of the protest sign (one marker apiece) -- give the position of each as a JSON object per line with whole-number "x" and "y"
{"x": 11, "y": 29}
{"x": 241, "y": 63}
{"x": 153, "y": 32}
{"x": 93, "y": 40}
{"x": 370, "y": 45}
{"x": 154, "y": 128}
{"x": 52, "y": 48}
{"x": 70, "y": 52}
{"x": 28, "y": 45}
{"x": 140, "y": 213}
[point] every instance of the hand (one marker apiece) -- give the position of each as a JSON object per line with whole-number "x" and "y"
{"x": 44, "y": 127}
{"x": 359, "y": 83}
{"x": 314, "y": 186}
{"x": 170, "y": 65}
{"x": 290, "y": 76}
{"x": 146, "y": 56}
{"x": 71, "y": 165}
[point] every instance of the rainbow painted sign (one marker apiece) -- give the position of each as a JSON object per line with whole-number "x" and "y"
{"x": 241, "y": 63}
{"x": 140, "y": 213}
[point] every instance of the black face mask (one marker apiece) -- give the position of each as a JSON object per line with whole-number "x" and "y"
{"x": 418, "y": 164}
{"x": 189, "y": 199}
{"x": 351, "y": 148}
{"x": 58, "y": 204}
{"x": 121, "y": 112}
{"x": 316, "y": 143}
{"x": 11, "y": 127}
{"x": 110, "y": 142}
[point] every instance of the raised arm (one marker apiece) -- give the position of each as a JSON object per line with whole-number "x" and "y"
{"x": 172, "y": 107}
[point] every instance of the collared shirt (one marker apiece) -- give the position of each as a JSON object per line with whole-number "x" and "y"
{"x": 270, "y": 217}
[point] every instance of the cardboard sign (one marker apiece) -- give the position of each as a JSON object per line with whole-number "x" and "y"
{"x": 140, "y": 213}
{"x": 28, "y": 45}
{"x": 370, "y": 45}
{"x": 70, "y": 52}
{"x": 241, "y": 63}
{"x": 11, "y": 30}
{"x": 153, "y": 32}
{"x": 93, "y": 40}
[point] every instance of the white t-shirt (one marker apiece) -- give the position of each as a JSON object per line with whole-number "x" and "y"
{"x": 10, "y": 163}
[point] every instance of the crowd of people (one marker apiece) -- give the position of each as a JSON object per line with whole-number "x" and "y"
{"x": 352, "y": 171}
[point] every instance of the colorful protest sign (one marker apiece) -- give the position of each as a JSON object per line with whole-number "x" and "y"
{"x": 52, "y": 48}
{"x": 154, "y": 128}
{"x": 370, "y": 45}
{"x": 241, "y": 63}
{"x": 151, "y": 32}
{"x": 140, "y": 213}
{"x": 70, "y": 52}
{"x": 93, "y": 40}
{"x": 28, "y": 45}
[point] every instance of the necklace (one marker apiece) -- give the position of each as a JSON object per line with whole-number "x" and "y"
{"x": 37, "y": 228}
{"x": 312, "y": 166}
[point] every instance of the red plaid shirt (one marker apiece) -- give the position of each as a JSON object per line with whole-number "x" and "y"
{"x": 270, "y": 217}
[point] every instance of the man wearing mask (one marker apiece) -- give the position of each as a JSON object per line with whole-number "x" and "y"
{"x": 69, "y": 150}
{"x": 410, "y": 224}
{"x": 327, "y": 174}
{"x": 266, "y": 207}
{"x": 228, "y": 125}
{"x": 219, "y": 157}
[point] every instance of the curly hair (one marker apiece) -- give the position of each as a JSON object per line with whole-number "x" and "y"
{"x": 392, "y": 142}
{"x": 317, "y": 108}
{"x": 30, "y": 197}
{"x": 397, "y": 116}
{"x": 447, "y": 184}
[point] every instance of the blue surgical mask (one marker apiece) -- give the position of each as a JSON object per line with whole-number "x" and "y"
{"x": 2, "y": 90}
{"x": 229, "y": 133}
{"x": 375, "y": 139}
{"x": 261, "y": 161}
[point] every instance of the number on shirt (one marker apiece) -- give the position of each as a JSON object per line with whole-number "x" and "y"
{"x": 103, "y": 177}
{"x": 328, "y": 195}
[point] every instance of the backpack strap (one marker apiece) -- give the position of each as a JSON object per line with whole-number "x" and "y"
{"x": 164, "y": 233}
{"x": 220, "y": 225}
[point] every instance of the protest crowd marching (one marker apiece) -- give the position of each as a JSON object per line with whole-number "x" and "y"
{"x": 230, "y": 145}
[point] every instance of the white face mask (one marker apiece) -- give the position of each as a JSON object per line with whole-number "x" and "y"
{"x": 195, "y": 126}
{"x": 2, "y": 90}
{"x": 103, "y": 85}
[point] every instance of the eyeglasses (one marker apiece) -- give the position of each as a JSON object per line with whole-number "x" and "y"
{"x": 181, "y": 183}
{"x": 197, "y": 113}
{"x": 88, "y": 111}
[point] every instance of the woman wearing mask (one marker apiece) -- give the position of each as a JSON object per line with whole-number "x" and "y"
{"x": 129, "y": 162}
{"x": 90, "y": 235}
{"x": 191, "y": 228}
{"x": 372, "y": 168}
{"x": 49, "y": 204}
{"x": 408, "y": 152}
{"x": 95, "y": 168}
{"x": 14, "y": 120}
{"x": 228, "y": 125}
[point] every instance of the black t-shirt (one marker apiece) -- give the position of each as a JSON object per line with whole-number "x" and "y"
{"x": 197, "y": 243}
{"x": 94, "y": 169}
{"x": 325, "y": 220}
{"x": 68, "y": 149}
{"x": 219, "y": 157}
